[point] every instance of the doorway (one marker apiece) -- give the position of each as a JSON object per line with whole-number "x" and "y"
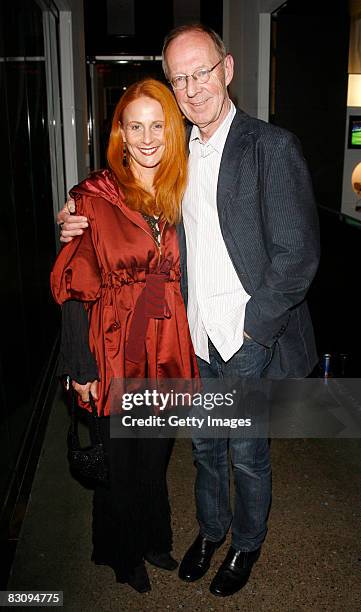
{"x": 308, "y": 86}
{"x": 108, "y": 78}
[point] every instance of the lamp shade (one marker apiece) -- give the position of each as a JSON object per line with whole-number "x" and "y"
{"x": 356, "y": 179}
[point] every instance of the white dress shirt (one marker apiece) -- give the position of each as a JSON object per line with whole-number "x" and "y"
{"x": 216, "y": 297}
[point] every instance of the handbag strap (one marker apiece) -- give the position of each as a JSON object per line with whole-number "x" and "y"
{"x": 73, "y": 415}
{"x": 94, "y": 423}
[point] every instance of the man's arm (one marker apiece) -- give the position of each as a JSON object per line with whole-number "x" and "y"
{"x": 70, "y": 225}
{"x": 291, "y": 225}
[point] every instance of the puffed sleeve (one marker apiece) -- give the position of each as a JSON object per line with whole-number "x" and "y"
{"x": 75, "y": 284}
{"x": 76, "y": 274}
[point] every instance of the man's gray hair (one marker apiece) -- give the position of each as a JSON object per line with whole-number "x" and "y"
{"x": 185, "y": 29}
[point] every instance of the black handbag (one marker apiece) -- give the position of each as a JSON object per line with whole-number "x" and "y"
{"x": 89, "y": 463}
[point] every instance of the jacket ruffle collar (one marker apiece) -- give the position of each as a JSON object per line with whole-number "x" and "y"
{"x": 101, "y": 183}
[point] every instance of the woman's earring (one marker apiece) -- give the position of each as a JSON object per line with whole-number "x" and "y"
{"x": 125, "y": 160}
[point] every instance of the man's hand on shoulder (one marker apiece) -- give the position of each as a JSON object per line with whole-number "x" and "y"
{"x": 70, "y": 225}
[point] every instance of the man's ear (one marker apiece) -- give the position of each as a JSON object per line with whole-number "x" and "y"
{"x": 228, "y": 68}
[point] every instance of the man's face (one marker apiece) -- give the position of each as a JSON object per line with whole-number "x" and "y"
{"x": 206, "y": 105}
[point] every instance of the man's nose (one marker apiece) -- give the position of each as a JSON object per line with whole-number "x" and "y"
{"x": 193, "y": 86}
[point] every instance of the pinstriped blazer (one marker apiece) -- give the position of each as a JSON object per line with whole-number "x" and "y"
{"x": 269, "y": 223}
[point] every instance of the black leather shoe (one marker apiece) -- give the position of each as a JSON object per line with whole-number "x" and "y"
{"x": 197, "y": 559}
{"x": 162, "y": 560}
{"x": 138, "y": 579}
{"x": 234, "y": 572}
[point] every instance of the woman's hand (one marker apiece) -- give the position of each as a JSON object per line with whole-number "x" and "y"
{"x": 83, "y": 390}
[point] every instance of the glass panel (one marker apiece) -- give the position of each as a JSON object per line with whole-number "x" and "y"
{"x": 27, "y": 245}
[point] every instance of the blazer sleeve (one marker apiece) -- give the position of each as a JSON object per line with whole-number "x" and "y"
{"x": 290, "y": 224}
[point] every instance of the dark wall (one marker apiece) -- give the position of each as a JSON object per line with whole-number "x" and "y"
{"x": 309, "y": 86}
{"x": 333, "y": 300}
{"x": 137, "y": 27}
{"x": 144, "y": 27}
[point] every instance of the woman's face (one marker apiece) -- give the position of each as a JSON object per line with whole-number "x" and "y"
{"x": 143, "y": 132}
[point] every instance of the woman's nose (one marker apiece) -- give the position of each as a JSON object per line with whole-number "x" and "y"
{"x": 147, "y": 135}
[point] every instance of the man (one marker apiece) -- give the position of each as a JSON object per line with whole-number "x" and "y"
{"x": 249, "y": 250}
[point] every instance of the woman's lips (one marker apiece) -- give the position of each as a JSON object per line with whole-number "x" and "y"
{"x": 148, "y": 151}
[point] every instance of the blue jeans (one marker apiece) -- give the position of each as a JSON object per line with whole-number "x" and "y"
{"x": 250, "y": 459}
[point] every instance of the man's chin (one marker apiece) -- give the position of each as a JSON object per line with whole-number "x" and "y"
{"x": 201, "y": 123}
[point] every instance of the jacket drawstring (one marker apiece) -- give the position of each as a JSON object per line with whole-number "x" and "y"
{"x": 151, "y": 304}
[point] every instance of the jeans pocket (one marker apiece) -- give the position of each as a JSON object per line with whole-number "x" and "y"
{"x": 251, "y": 359}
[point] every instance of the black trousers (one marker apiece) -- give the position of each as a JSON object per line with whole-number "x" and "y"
{"x": 132, "y": 516}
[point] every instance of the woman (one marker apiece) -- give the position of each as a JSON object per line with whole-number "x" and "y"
{"x": 105, "y": 277}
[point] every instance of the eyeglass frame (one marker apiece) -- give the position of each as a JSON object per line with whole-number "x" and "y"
{"x": 188, "y": 76}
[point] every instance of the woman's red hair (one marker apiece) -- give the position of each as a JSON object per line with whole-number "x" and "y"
{"x": 170, "y": 179}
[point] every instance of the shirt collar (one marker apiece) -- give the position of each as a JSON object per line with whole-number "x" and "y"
{"x": 218, "y": 139}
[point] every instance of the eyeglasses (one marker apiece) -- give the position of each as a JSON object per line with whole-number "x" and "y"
{"x": 202, "y": 76}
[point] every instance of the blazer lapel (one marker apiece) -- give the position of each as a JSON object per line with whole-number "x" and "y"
{"x": 236, "y": 145}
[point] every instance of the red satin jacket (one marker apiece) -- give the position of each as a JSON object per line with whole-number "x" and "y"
{"x": 130, "y": 287}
